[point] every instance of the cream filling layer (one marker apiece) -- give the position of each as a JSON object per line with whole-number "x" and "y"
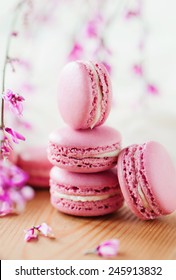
{"x": 108, "y": 154}
{"x": 99, "y": 97}
{"x": 82, "y": 198}
{"x": 143, "y": 198}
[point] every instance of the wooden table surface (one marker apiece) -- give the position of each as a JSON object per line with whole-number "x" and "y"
{"x": 74, "y": 235}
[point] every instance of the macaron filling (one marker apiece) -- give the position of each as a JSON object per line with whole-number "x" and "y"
{"x": 108, "y": 154}
{"x": 143, "y": 198}
{"x": 138, "y": 186}
{"x": 72, "y": 152}
{"x": 99, "y": 92}
{"x": 82, "y": 198}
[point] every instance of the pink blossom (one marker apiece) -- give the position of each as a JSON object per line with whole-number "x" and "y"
{"x": 30, "y": 234}
{"x": 132, "y": 14}
{"x": 11, "y": 176}
{"x": 137, "y": 69}
{"x": 14, "y": 34}
{"x": 93, "y": 26}
{"x": 42, "y": 229}
{"x": 15, "y": 101}
{"x": 19, "y": 202}
{"x": 108, "y": 248}
{"x": 12, "y": 189}
{"x": 152, "y": 89}
{"x": 45, "y": 230}
{"x": 5, "y": 208}
{"x": 15, "y": 135}
{"x": 18, "y": 177}
{"x": 5, "y": 147}
{"x": 76, "y": 52}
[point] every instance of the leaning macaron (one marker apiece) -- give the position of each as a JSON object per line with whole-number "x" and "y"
{"x": 85, "y": 194}
{"x": 84, "y": 94}
{"x": 84, "y": 151}
{"x": 34, "y": 161}
{"x": 147, "y": 177}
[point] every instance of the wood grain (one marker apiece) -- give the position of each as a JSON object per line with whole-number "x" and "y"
{"x": 74, "y": 235}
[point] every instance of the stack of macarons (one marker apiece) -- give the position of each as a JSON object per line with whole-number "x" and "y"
{"x": 84, "y": 153}
{"x": 91, "y": 174}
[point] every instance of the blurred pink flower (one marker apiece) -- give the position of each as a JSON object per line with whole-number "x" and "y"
{"x": 14, "y": 101}
{"x": 137, "y": 69}
{"x": 132, "y": 14}
{"x": 27, "y": 192}
{"x": 15, "y": 135}
{"x": 152, "y": 89}
{"x": 27, "y": 88}
{"x": 14, "y": 34}
{"x": 12, "y": 189}
{"x": 92, "y": 28}
{"x": 6, "y": 146}
{"x": 5, "y": 208}
{"x": 76, "y": 52}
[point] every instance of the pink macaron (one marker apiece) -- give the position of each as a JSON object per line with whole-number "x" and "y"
{"x": 85, "y": 194}
{"x": 34, "y": 161}
{"x": 147, "y": 177}
{"x": 85, "y": 94}
{"x": 84, "y": 151}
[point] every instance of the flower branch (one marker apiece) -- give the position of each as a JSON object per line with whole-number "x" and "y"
{"x": 13, "y": 189}
{"x": 14, "y": 100}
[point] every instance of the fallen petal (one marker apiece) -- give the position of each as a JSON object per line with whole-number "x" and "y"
{"x": 108, "y": 248}
{"x": 30, "y": 234}
{"x": 45, "y": 230}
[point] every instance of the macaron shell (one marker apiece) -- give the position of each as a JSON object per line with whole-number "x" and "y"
{"x": 74, "y": 98}
{"x": 106, "y": 89}
{"x": 97, "y": 208}
{"x": 85, "y": 165}
{"x": 161, "y": 175}
{"x": 85, "y": 194}
{"x": 132, "y": 204}
{"x": 149, "y": 167}
{"x": 82, "y": 151}
{"x": 93, "y": 181}
{"x": 90, "y": 138}
{"x": 79, "y": 86}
